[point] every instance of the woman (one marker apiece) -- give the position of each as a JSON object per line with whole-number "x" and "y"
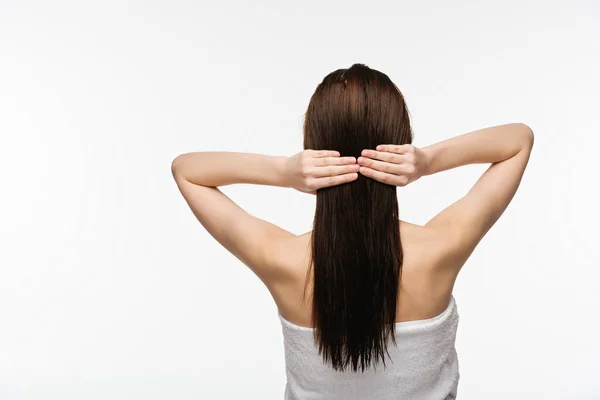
{"x": 365, "y": 299}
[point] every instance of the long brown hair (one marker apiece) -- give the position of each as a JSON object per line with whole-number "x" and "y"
{"x": 356, "y": 249}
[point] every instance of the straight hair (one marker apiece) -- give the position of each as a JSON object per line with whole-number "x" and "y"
{"x": 356, "y": 250}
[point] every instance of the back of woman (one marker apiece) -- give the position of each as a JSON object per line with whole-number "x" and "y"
{"x": 422, "y": 363}
{"x": 365, "y": 300}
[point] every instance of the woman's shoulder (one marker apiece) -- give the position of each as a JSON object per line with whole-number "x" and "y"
{"x": 429, "y": 252}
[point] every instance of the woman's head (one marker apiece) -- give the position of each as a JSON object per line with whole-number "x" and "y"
{"x": 354, "y": 109}
{"x": 356, "y": 249}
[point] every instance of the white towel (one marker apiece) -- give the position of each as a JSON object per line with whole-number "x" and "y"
{"x": 423, "y": 365}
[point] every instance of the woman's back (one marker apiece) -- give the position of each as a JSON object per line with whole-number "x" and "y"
{"x": 424, "y": 289}
{"x": 422, "y": 365}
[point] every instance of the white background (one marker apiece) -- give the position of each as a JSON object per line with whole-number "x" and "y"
{"x": 110, "y": 289}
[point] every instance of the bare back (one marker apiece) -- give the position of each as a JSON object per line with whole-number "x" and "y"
{"x": 424, "y": 287}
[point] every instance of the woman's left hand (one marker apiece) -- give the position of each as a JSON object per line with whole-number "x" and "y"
{"x": 310, "y": 170}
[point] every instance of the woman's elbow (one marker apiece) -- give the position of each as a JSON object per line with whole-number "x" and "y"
{"x": 527, "y": 135}
{"x": 176, "y": 167}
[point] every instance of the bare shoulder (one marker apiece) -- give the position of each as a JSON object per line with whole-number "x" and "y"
{"x": 293, "y": 259}
{"x": 428, "y": 258}
{"x": 422, "y": 245}
{"x": 292, "y": 254}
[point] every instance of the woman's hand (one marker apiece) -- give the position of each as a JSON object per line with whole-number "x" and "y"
{"x": 310, "y": 170}
{"x": 396, "y": 165}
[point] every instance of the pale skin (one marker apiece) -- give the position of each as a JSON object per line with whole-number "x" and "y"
{"x": 433, "y": 253}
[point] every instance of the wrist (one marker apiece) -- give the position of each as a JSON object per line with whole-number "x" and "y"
{"x": 280, "y": 167}
{"x": 428, "y": 157}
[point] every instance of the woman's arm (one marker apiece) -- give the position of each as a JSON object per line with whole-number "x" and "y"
{"x": 464, "y": 223}
{"x": 400, "y": 165}
{"x": 255, "y": 242}
{"x": 488, "y": 145}
{"x": 306, "y": 171}
{"x": 215, "y": 169}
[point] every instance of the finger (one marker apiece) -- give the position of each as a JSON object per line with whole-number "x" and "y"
{"x": 383, "y": 177}
{"x": 333, "y": 170}
{"x": 384, "y": 156}
{"x": 396, "y": 148}
{"x": 390, "y": 168}
{"x": 326, "y": 153}
{"x": 320, "y": 183}
{"x": 320, "y": 162}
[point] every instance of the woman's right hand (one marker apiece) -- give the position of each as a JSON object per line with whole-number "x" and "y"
{"x": 392, "y": 164}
